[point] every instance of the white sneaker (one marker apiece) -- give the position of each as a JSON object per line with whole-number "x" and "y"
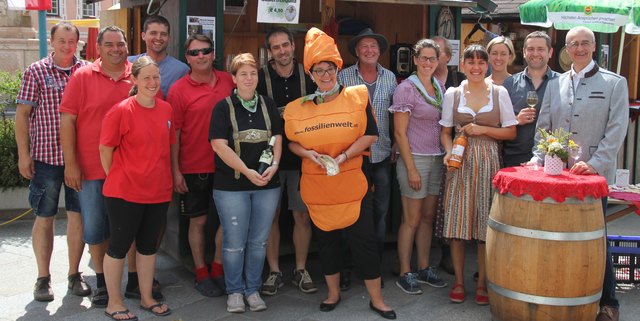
{"x": 256, "y": 303}
{"x": 235, "y": 303}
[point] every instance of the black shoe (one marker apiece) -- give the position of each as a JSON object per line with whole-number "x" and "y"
{"x": 326, "y": 307}
{"x": 391, "y": 315}
{"x": 100, "y": 298}
{"x": 345, "y": 280}
{"x": 475, "y": 276}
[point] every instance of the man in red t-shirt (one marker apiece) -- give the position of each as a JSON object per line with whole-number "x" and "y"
{"x": 90, "y": 93}
{"x": 193, "y": 98}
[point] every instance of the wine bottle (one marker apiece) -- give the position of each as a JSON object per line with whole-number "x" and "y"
{"x": 266, "y": 158}
{"x": 457, "y": 152}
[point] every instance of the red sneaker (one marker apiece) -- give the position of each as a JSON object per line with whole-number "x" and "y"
{"x": 456, "y": 297}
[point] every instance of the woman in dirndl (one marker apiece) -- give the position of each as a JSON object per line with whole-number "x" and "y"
{"x": 483, "y": 112}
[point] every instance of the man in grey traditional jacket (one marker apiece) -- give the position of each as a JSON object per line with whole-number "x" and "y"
{"x": 593, "y": 105}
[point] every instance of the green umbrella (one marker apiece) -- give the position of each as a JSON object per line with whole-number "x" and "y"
{"x": 598, "y": 15}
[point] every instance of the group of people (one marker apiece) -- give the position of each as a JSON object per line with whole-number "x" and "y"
{"x": 127, "y": 133}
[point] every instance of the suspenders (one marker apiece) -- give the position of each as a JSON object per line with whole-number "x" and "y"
{"x": 250, "y": 135}
{"x": 303, "y": 84}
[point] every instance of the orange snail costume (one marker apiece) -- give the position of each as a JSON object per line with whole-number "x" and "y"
{"x": 329, "y": 128}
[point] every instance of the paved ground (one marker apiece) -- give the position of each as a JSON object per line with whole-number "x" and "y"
{"x": 18, "y": 272}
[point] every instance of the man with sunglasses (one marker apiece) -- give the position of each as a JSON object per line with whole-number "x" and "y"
{"x": 193, "y": 98}
{"x": 156, "y": 36}
{"x": 593, "y": 105}
{"x": 283, "y": 79}
{"x": 367, "y": 46}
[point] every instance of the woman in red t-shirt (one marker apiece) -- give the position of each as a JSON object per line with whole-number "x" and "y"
{"x": 134, "y": 149}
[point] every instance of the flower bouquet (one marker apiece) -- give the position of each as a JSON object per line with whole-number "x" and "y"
{"x": 557, "y": 148}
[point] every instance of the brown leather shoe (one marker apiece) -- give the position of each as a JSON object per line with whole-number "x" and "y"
{"x": 608, "y": 313}
{"x": 78, "y": 286}
{"x": 42, "y": 290}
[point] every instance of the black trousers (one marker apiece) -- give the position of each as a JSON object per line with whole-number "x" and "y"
{"x": 361, "y": 240}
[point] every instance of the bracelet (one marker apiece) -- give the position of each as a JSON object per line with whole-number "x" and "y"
{"x": 274, "y": 163}
{"x": 345, "y": 155}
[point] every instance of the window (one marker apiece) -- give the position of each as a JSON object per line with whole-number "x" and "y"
{"x": 88, "y": 10}
{"x": 55, "y": 8}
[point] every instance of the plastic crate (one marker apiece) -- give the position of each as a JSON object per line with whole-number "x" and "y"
{"x": 625, "y": 252}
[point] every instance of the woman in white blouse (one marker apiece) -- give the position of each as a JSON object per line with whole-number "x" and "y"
{"x": 483, "y": 112}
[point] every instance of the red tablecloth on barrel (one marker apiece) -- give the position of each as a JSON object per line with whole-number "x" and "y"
{"x": 522, "y": 180}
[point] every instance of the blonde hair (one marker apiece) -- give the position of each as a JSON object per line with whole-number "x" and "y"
{"x": 506, "y": 42}
{"x": 135, "y": 70}
{"x": 241, "y": 60}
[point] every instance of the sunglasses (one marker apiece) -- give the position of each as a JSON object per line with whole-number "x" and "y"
{"x": 195, "y": 52}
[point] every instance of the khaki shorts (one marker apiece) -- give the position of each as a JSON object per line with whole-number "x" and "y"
{"x": 430, "y": 169}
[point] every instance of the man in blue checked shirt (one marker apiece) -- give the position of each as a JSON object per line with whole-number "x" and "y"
{"x": 367, "y": 46}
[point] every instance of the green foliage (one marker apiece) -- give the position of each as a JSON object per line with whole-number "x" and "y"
{"x": 9, "y": 87}
{"x": 9, "y": 174}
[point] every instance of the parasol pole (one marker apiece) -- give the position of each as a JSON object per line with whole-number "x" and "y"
{"x": 42, "y": 33}
{"x": 620, "y": 51}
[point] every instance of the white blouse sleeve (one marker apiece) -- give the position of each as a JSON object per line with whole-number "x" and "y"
{"x": 447, "y": 108}
{"x": 507, "y": 116}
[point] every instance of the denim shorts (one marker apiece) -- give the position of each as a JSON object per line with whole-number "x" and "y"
{"x": 95, "y": 222}
{"x": 199, "y": 199}
{"x": 44, "y": 191}
{"x": 290, "y": 182}
{"x": 430, "y": 169}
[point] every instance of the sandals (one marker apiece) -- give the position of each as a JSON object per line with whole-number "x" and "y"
{"x": 456, "y": 297}
{"x": 482, "y": 299}
{"x": 125, "y": 312}
{"x": 157, "y": 305}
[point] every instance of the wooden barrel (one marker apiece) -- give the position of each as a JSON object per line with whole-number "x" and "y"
{"x": 545, "y": 260}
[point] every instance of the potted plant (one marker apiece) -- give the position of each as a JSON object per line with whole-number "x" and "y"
{"x": 556, "y": 147}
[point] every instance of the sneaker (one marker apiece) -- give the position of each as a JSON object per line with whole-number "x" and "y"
{"x": 272, "y": 284}
{"x": 235, "y": 303}
{"x": 256, "y": 303}
{"x": 430, "y": 276}
{"x": 409, "y": 283}
{"x": 42, "y": 290}
{"x": 302, "y": 280}
{"x": 78, "y": 286}
{"x": 608, "y": 313}
{"x": 208, "y": 288}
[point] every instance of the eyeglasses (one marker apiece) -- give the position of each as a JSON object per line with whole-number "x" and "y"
{"x": 195, "y": 52}
{"x": 576, "y": 44}
{"x": 321, "y": 72}
{"x": 429, "y": 59}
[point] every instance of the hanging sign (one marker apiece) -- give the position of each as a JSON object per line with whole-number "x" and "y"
{"x": 278, "y": 11}
{"x": 201, "y": 25}
{"x": 29, "y": 4}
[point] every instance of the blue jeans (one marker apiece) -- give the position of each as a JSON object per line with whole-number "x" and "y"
{"x": 44, "y": 190}
{"x": 381, "y": 179}
{"x": 95, "y": 222}
{"x": 609, "y": 286}
{"x": 246, "y": 218}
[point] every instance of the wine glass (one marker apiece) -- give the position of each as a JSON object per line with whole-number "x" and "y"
{"x": 532, "y": 99}
{"x": 575, "y": 152}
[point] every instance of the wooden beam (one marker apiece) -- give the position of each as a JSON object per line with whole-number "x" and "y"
{"x": 634, "y": 65}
